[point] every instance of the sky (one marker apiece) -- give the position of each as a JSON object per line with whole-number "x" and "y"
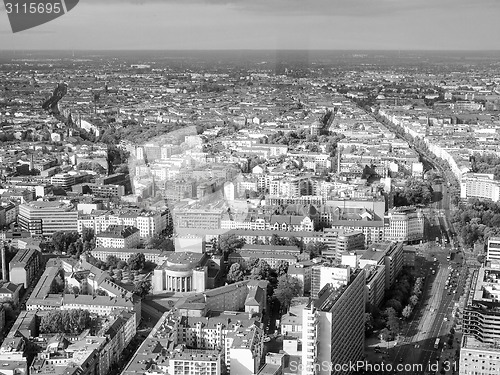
{"x": 265, "y": 24}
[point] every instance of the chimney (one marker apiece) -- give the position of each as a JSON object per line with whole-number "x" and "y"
{"x": 4, "y": 262}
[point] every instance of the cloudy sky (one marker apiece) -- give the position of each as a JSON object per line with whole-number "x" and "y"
{"x": 266, "y": 24}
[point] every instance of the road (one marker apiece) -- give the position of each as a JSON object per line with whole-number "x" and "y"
{"x": 434, "y": 318}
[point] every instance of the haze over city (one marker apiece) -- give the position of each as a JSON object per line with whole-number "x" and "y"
{"x": 275, "y": 24}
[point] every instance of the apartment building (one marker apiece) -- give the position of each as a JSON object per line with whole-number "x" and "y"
{"x": 375, "y": 284}
{"x": 119, "y": 236}
{"x": 194, "y": 362}
{"x": 324, "y": 274}
{"x": 231, "y": 339}
{"x": 24, "y": 267}
{"x": 493, "y": 251}
{"x": 290, "y": 223}
{"x": 8, "y": 213}
{"x": 389, "y": 255}
{"x": 242, "y": 257}
{"x": 333, "y": 328}
{"x": 89, "y": 279}
{"x": 46, "y": 218}
{"x": 148, "y": 223}
{"x": 480, "y": 316}
{"x": 477, "y": 357}
{"x": 480, "y": 185}
{"x": 155, "y": 256}
{"x": 244, "y": 348}
{"x": 339, "y": 241}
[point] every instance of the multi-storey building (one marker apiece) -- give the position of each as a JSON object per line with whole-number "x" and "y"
{"x": 244, "y": 348}
{"x": 375, "y": 284}
{"x": 8, "y": 213}
{"x": 270, "y": 222}
{"x": 481, "y": 315}
{"x": 100, "y": 190}
{"x": 148, "y": 223}
{"x": 242, "y": 257}
{"x": 204, "y": 218}
{"x": 477, "y": 357}
{"x": 338, "y": 242}
{"x": 328, "y": 274}
{"x": 493, "y": 252}
{"x": 480, "y": 185}
{"x": 46, "y": 218}
{"x": 404, "y": 225}
{"x": 389, "y": 255}
{"x": 195, "y": 361}
{"x": 231, "y": 340}
{"x": 119, "y": 236}
{"x": 24, "y": 267}
{"x": 333, "y": 328}
{"x": 151, "y": 255}
{"x": 89, "y": 279}
{"x": 63, "y": 180}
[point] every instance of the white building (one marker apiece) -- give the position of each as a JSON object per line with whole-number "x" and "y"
{"x": 404, "y": 225}
{"x": 480, "y": 185}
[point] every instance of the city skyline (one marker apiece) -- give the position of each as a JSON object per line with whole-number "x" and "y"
{"x": 270, "y": 25}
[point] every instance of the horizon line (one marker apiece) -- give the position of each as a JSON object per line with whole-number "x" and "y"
{"x": 249, "y": 49}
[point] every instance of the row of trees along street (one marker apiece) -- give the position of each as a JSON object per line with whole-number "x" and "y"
{"x": 398, "y": 304}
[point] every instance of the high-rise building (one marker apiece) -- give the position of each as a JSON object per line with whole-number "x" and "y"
{"x": 333, "y": 328}
{"x": 389, "y": 255}
{"x": 324, "y": 274}
{"x": 480, "y": 316}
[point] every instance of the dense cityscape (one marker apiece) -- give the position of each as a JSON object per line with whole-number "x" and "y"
{"x": 249, "y": 212}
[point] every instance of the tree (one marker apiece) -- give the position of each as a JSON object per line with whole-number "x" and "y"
{"x": 230, "y": 243}
{"x": 137, "y": 261}
{"x": 395, "y": 304}
{"x": 65, "y": 321}
{"x": 8, "y": 306}
{"x": 142, "y": 288}
{"x": 315, "y": 249}
{"x": 413, "y": 300}
{"x": 294, "y": 241}
{"x": 87, "y": 234}
{"x": 407, "y": 311}
{"x": 261, "y": 271}
{"x": 235, "y": 273}
{"x": 282, "y": 267}
{"x": 112, "y": 261}
{"x": 415, "y": 192}
{"x": 288, "y": 288}
{"x": 62, "y": 240}
{"x": 252, "y": 263}
{"x": 368, "y": 323}
{"x": 392, "y": 320}
{"x": 277, "y": 240}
